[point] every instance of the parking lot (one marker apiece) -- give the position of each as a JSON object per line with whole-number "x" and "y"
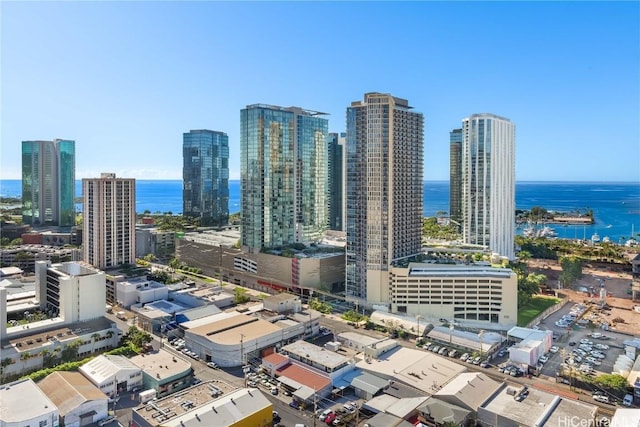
{"x": 569, "y": 340}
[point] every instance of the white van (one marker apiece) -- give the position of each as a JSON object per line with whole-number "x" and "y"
{"x": 628, "y": 400}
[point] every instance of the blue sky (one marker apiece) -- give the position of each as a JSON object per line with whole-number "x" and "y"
{"x": 126, "y": 79}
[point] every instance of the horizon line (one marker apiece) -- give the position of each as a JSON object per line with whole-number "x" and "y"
{"x": 528, "y": 181}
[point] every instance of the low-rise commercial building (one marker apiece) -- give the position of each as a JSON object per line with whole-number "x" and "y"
{"x": 139, "y": 291}
{"x": 79, "y": 402}
{"x": 468, "y": 390}
{"x": 328, "y": 362}
{"x": 229, "y": 339}
{"x": 201, "y": 406}
{"x": 424, "y": 371}
{"x": 113, "y": 374}
{"x": 510, "y": 408}
{"x": 23, "y": 403}
{"x": 163, "y": 372}
{"x": 44, "y": 342}
{"x": 530, "y": 345}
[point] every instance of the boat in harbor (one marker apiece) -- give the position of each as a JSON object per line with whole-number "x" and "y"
{"x": 595, "y": 238}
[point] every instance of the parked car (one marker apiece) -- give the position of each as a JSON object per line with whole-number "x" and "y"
{"x": 274, "y": 390}
{"x": 443, "y": 350}
{"x": 323, "y": 416}
{"x": 349, "y": 408}
{"x": 330, "y": 418}
{"x": 453, "y": 353}
{"x": 484, "y": 364}
{"x": 477, "y": 360}
{"x": 554, "y": 349}
{"x": 602, "y": 399}
{"x": 592, "y": 360}
{"x": 543, "y": 359}
{"x": 502, "y": 353}
{"x": 464, "y": 357}
{"x": 294, "y": 404}
{"x": 108, "y": 420}
{"x": 212, "y": 365}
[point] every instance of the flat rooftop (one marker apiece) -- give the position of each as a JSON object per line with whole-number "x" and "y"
{"x": 182, "y": 402}
{"x": 314, "y": 354}
{"x": 419, "y": 369}
{"x": 75, "y": 268}
{"x": 456, "y": 270}
{"x": 161, "y": 364}
{"x": 51, "y": 331}
{"x": 525, "y": 413}
{"x": 580, "y": 413}
{"x": 22, "y": 397}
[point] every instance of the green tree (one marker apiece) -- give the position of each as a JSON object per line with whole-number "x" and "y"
{"x": 240, "y": 295}
{"x": 613, "y": 382}
{"x": 70, "y": 352}
{"x": 174, "y": 263}
{"x": 16, "y": 242}
{"x": 571, "y": 269}
{"x": 137, "y": 338}
{"x": 322, "y": 307}
{"x": 150, "y": 258}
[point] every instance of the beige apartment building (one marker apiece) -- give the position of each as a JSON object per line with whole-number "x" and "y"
{"x": 109, "y": 220}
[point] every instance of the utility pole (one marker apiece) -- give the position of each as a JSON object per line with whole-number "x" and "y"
{"x": 243, "y": 361}
{"x": 315, "y": 408}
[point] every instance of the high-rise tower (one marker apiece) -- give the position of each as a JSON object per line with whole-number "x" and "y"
{"x": 48, "y": 182}
{"x": 336, "y": 181}
{"x": 384, "y": 192}
{"x": 488, "y": 183}
{"x": 109, "y": 220}
{"x": 283, "y": 163}
{"x": 455, "y": 175}
{"x": 205, "y": 172}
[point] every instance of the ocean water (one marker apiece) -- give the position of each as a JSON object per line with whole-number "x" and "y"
{"x": 616, "y": 206}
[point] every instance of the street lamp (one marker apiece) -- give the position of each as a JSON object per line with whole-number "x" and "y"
{"x": 451, "y": 328}
{"x": 480, "y": 335}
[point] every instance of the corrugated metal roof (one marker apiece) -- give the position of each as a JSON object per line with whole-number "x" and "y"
{"x": 68, "y": 390}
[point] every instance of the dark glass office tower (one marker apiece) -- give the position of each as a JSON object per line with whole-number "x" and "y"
{"x": 205, "y": 173}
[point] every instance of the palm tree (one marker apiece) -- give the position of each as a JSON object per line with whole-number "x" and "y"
{"x": 94, "y": 338}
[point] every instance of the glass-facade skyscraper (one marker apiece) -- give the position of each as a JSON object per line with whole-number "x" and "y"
{"x": 48, "y": 182}
{"x": 384, "y": 159}
{"x": 336, "y": 180}
{"x": 488, "y": 183}
{"x": 283, "y": 164}
{"x": 455, "y": 175}
{"x": 205, "y": 176}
